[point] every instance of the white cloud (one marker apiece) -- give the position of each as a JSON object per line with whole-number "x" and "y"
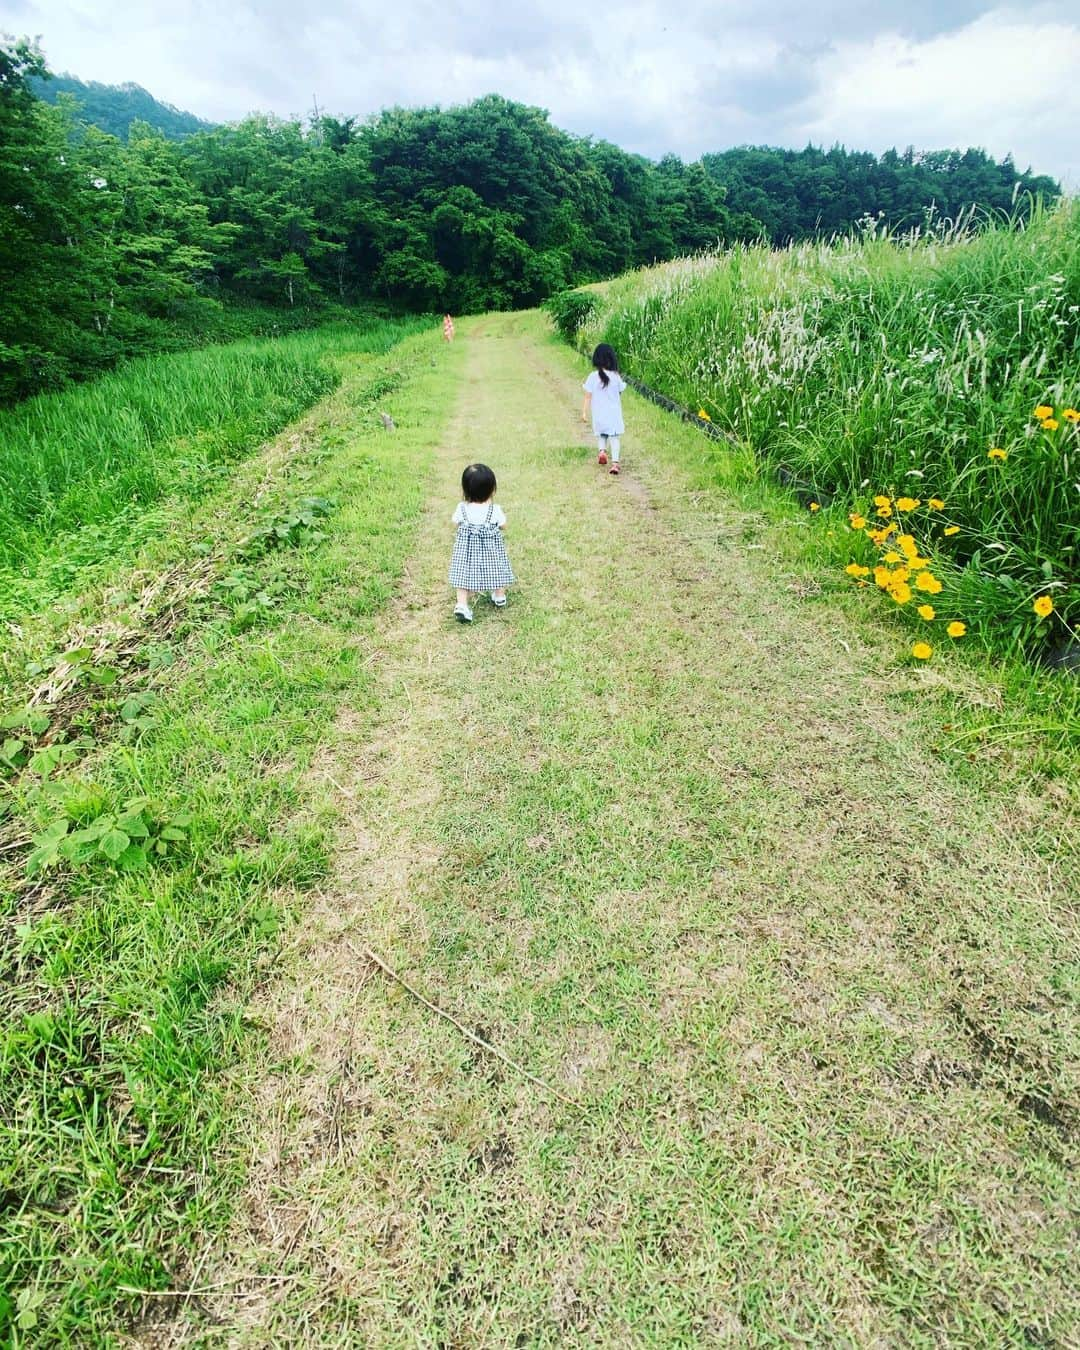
{"x": 712, "y": 74}
{"x": 1004, "y": 83}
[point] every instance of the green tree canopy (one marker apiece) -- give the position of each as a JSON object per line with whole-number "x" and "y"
{"x": 112, "y": 244}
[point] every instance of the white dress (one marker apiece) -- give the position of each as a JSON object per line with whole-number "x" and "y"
{"x": 607, "y": 417}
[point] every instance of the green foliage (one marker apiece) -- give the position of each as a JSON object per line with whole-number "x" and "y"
{"x": 115, "y": 247}
{"x": 113, "y": 108}
{"x": 88, "y": 833}
{"x": 251, "y": 595}
{"x": 86, "y": 455}
{"x": 802, "y": 194}
{"x": 160, "y": 431}
{"x": 893, "y": 365}
{"x": 569, "y": 310}
{"x": 290, "y": 529}
{"x": 125, "y": 995}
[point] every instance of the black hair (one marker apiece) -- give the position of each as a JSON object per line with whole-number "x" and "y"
{"x": 478, "y": 483}
{"x": 604, "y": 359}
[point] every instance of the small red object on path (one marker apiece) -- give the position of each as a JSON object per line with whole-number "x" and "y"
{"x": 448, "y": 328}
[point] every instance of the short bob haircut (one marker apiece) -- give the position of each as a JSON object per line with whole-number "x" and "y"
{"x": 478, "y": 483}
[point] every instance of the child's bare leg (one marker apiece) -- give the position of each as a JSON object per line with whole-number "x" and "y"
{"x": 464, "y": 597}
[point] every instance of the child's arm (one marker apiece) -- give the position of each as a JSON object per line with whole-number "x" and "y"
{"x": 585, "y": 407}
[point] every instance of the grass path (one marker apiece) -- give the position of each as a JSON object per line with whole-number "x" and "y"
{"x": 655, "y": 836}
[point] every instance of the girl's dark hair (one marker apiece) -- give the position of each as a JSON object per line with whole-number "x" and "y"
{"x": 604, "y": 359}
{"x": 478, "y": 483}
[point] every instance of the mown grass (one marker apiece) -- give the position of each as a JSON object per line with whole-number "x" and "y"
{"x": 124, "y": 989}
{"x": 658, "y": 836}
{"x": 86, "y": 463}
{"x": 892, "y": 366}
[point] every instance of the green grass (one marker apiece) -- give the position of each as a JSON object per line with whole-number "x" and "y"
{"x": 892, "y": 366}
{"x": 124, "y": 989}
{"x": 80, "y": 469}
{"x": 679, "y": 831}
{"x": 653, "y": 831}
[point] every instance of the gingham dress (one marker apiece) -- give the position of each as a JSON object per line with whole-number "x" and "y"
{"x": 479, "y": 561}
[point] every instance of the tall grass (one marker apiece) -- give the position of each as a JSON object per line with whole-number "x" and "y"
{"x": 88, "y": 454}
{"x": 893, "y": 364}
{"x": 121, "y": 991}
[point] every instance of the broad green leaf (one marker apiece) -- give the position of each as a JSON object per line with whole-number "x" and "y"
{"x": 102, "y": 675}
{"x": 91, "y": 833}
{"x": 45, "y": 856}
{"x": 55, "y": 830}
{"x": 46, "y": 760}
{"x": 113, "y": 844}
{"x": 11, "y": 749}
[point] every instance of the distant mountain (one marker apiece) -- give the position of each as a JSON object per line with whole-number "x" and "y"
{"x": 113, "y": 107}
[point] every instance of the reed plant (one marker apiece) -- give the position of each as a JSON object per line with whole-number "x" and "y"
{"x": 893, "y": 365}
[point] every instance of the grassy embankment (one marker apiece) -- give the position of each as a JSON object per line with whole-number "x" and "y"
{"x": 82, "y": 471}
{"x": 894, "y": 381}
{"x": 157, "y": 822}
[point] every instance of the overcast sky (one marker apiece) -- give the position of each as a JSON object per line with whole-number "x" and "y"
{"x": 651, "y": 77}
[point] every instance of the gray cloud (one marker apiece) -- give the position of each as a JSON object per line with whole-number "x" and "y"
{"x": 650, "y": 78}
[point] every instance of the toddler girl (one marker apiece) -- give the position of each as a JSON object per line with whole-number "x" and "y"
{"x": 602, "y": 390}
{"x": 479, "y": 561}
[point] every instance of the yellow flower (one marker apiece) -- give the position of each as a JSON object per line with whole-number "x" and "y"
{"x": 1050, "y": 424}
{"x": 926, "y": 581}
{"x": 892, "y": 556}
{"x": 956, "y": 629}
{"x": 882, "y": 576}
{"x": 881, "y": 500}
{"x": 922, "y": 651}
{"x": 1043, "y": 606}
{"x": 1043, "y": 411}
{"x": 878, "y": 536}
{"x": 951, "y": 529}
{"x": 926, "y": 612}
{"x": 857, "y": 522}
{"x": 1070, "y": 415}
{"x": 704, "y": 415}
{"x": 936, "y": 504}
{"x": 907, "y": 503}
{"x": 815, "y": 506}
{"x": 997, "y": 454}
{"x": 900, "y": 592}
{"x": 907, "y": 545}
{"x": 857, "y": 570}
{"x": 884, "y": 512}
{"x": 916, "y": 564}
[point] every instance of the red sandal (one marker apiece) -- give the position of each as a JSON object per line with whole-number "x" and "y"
{"x": 614, "y": 467}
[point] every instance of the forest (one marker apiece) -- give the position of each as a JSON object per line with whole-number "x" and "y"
{"x": 115, "y": 245}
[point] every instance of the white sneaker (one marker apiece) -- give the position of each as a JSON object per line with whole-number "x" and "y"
{"x": 499, "y": 601}
{"x": 463, "y": 613}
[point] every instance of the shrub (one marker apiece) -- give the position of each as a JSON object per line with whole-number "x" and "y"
{"x": 569, "y": 310}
